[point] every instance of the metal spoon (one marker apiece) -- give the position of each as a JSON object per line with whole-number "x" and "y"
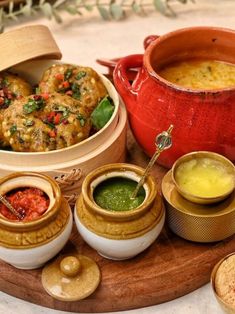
{"x": 10, "y": 207}
{"x": 163, "y": 141}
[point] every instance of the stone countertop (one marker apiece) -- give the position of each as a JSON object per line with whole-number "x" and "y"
{"x": 84, "y": 39}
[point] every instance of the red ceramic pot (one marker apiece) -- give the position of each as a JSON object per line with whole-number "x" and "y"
{"x": 202, "y": 119}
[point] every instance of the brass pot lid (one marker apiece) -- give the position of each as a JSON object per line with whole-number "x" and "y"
{"x": 71, "y": 278}
{"x": 171, "y": 195}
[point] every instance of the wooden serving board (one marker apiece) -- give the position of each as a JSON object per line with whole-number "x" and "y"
{"x": 170, "y": 268}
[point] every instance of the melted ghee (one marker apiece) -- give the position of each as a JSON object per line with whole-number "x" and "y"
{"x": 204, "y": 177}
{"x": 200, "y": 74}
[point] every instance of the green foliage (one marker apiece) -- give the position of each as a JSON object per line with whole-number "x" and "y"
{"x": 102, "y": 113}
{"x": 108, "y": 9}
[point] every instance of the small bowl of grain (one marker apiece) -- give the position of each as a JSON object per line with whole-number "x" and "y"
{"x": 223, "y": 283}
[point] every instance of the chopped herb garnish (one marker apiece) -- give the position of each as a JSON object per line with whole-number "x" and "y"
{"x": 5, "y": 82}
{"x": 75, "y": 87}
{"x": 20, "y": 140}
{"x": 13, "y": 129}
{"x": 7, "y": 102}
{"x": 68, "y": 73}
{"x": 65, "y": 111}
{"x": 37, "y": 90}
{"x": 76, "y": 91}
{"x": 82, "y": 120}
{"x": 76, "y": 95}
{"x": 50, "y": 124}
{"x": 80, "y": 75}
{"x": 34, "y": 104}
{"x": 29, "y": 122}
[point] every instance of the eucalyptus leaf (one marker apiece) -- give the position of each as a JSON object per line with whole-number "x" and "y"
{"x": 88, "y": 7}
{"x": 116, "y": 11}
{"x": 104, "y": 13}
{"x": 13, "y": 17}
{"x": 56, "y": 16}
{"x": 47, "y": 10}
{"x": 108, "y": 9}
{"x": 160, "y": 6}
{"x": 1, "y": 28}
{"x": 11, "y": 7}
{"x": 136, "y": 8}
{"x": 29, "y": 3}
{"x": 102, "y": 113}
{"x": 26, "y": 10}
{"x": 72, "y": 10}
{"x": 1, "y": 15}
{"x": 33, "y": 11}
{"x": 58, "y": 3}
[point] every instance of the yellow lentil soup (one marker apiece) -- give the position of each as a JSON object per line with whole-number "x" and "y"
{"x": 200, "y": 74}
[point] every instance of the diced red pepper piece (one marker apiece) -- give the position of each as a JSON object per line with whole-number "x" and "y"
{"x": 65, "y": 121}
{"x": 57, "y": 118}
{"x": 50, "y": 116}
{"x": 59, "y": 76}
{"x": 45, "y": 96}
{"x": 65, "y": 84}
{"x": 52, "y": 133}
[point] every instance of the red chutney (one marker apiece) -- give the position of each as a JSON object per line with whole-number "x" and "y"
{"x": 29, "y": 202}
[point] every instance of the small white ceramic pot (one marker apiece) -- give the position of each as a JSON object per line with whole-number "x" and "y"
{"x": 119, "y": 235}
{"x": 30, "y": 244}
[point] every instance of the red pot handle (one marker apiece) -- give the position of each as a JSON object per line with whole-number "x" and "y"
{"x": 149, "y": 39}
{"x": 120, "y": 76}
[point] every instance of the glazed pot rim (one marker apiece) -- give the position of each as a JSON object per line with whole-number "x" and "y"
{"x": 118, "y": 167}
{"x": 212, "y": 280}
{"x": 202, "y": 154}
{"x": 153, "y": 74}
{"x": 43, "y": 219}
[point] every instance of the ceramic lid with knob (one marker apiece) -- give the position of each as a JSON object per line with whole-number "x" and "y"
{"x": 71, "y": 278}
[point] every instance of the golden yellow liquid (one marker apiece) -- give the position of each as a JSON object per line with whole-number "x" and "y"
{"x": 204, "y": 177}
{"x": 200, "y": 74}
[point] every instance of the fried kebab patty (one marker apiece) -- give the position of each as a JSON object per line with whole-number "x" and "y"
{"x": 12, "y": 87}
{"x": 45, "y": 122}
{"x": 80, "y": 83}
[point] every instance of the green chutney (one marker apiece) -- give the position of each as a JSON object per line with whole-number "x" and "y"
{"x": 114, "y": 194}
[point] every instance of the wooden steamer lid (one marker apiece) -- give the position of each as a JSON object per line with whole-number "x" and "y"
{"x": 27, "y": 43}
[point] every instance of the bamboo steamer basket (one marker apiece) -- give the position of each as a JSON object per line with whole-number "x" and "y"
{"x": 68, "y": 166}
{"x": 70, "y": 174}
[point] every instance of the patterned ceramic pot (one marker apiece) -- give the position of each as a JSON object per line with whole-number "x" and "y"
{"x": 119, "y": 234}
{"x": 29, "y": 244}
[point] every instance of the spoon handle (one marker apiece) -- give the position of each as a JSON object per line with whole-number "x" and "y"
{"x": 10, "y": 207}
{"x": 163, "y": 141}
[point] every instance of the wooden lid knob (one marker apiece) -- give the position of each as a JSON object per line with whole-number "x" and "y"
{"x": 27, "y": 43}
